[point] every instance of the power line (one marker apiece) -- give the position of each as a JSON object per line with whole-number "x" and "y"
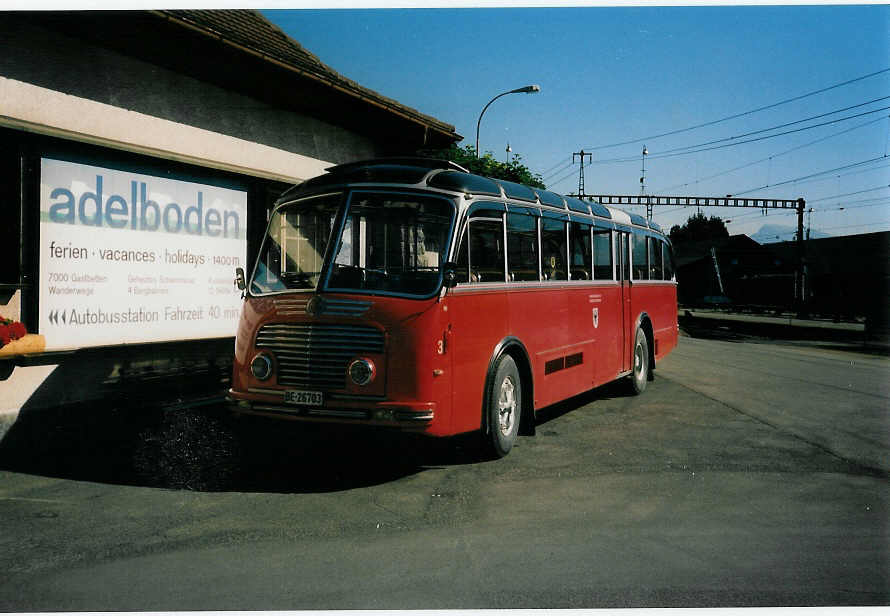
{"x": 739, "y": 115}
{"x": 764, "y": 130}
{"x": 777, "y": 155}
{"x": 562, "y": 162}
{"x": 558, "y": 171}
{"x": 812, "y": 175}
{"x": 866, "y": 224}
{"x": 563, "y": 178}
{"x": 844, "y": 208}
{"x": 729, "y": 145}
{"x": 849, "y": 194}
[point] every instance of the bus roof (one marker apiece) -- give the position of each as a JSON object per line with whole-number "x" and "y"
{"x": 449, "y": 176}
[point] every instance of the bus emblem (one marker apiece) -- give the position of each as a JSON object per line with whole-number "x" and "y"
{"x": 315, "y": 306}
{"x": 596, "y": 318}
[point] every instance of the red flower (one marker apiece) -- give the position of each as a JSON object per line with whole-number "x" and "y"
{"x": 17, "y": 330}
{"x": 11, "y": 330}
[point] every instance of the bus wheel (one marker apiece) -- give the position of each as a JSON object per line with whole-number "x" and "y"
{"x": 640, "y": 375}
{"x": 504, "y": 408}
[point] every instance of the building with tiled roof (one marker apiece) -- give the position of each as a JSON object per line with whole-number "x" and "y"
{"x": 142, "y": 152}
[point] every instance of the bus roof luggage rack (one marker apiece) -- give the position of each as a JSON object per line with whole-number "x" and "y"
{"x": 465, "y": 183}
{"x": 395, "y": 170}
{"x": 402, "y": 161}
{"x": 518, "y": 191}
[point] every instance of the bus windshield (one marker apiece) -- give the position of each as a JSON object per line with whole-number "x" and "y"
{"x": 392, "y": 243}
{"x": 294, "y": 248}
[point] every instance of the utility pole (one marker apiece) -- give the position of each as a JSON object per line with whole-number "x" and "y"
{"x": 581, "y": 154}
{"x": 800, "y": 278}
{"x": 643, "y": 185}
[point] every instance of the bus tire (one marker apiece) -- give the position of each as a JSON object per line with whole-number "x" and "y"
{"x": 503, "y": 408}
{"x": 641, "y": 369}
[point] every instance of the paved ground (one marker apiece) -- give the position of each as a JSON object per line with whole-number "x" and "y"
{"x": 748, "y": 474}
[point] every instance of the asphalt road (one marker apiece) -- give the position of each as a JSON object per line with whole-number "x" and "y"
{"x": 748, "y": 474}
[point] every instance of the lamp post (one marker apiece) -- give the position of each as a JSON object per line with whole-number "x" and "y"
{"x": 527, "y": 90}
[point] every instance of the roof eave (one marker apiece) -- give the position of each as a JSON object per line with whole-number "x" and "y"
{"x": 363, "y": 95}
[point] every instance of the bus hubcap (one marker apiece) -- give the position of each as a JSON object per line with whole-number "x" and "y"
{"x": 507, "y": 406}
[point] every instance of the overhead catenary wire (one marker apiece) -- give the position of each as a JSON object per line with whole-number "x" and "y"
{"x": 729, "y": 145}
{"x": 776, "y": 155}
{"x": 780, "y": 126}
{"x": 791, "y": 212}
{"x": 550, "y": 171}
{"x": 849, "y": 194}
{"x": 561, "y": 169}
{"x": 738, "y": 115}
{"x": 571, "y": 173}
{"x": 812, "y": 175}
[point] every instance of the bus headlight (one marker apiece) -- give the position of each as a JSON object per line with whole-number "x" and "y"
{"x": 362, "y": 371}
{"x": 261, "y": 366}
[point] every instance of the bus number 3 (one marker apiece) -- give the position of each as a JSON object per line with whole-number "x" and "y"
{"x": 442, "y": 343}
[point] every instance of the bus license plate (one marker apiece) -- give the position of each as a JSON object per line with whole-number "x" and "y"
{"x": 302, "y": 397}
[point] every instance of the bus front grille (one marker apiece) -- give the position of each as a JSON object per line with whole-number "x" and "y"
{"x": 315, "y": 356}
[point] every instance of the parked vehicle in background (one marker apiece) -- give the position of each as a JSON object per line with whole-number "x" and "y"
{"x": 410, "y": 293}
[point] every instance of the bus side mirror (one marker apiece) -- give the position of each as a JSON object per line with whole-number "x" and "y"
{"x": 239, "y": 279}
{"x": 449, "y": 274}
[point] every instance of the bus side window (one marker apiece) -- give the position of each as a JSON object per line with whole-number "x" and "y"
{"x": 668, "y": 258}
{"x": 522, "y": 247}
{"x": 486, "y": 254}
{"x": 602, "y": 255}
{"x": 553, "y": 249}
{"x": 623, "y": 255}
{"x": 640, "y": 257}
{"x": 582, "y": 264}
{"x": 656, "y": 269}
{"x": 461, "y": 258}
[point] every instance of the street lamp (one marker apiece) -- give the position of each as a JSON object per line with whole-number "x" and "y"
{"x": 527, "y": 90}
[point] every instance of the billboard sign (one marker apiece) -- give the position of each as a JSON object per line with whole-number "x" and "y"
{"x": 132, "y": 258}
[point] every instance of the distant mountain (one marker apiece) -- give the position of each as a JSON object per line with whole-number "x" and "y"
{"x": 770, "y": 234}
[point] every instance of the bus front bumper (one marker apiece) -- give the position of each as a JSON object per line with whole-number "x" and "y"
{"x": 405, "y": 415}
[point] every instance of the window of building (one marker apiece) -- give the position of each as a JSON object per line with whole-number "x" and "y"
{"x": 10, "y": 210}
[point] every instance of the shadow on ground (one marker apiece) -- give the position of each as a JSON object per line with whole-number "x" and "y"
{"x": 206, "y": 449}
{"x": 610, "y": 391}
{"x": 754, "y": 332}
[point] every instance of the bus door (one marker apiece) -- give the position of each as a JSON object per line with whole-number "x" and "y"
{"x": 625, "y": 284}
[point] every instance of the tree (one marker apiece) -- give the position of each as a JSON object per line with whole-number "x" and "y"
{"x": 699, "y": 228}
{"x": 513, "y": 171}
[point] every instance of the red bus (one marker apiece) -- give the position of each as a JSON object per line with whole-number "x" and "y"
{"x": 413, "y": 294}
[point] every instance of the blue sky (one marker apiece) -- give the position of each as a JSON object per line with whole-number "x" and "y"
{"x": 616, "y": 74}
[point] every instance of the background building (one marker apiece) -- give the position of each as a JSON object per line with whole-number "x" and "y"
{"x": 848, "y": 277}
{"x": 141, "y": 153}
